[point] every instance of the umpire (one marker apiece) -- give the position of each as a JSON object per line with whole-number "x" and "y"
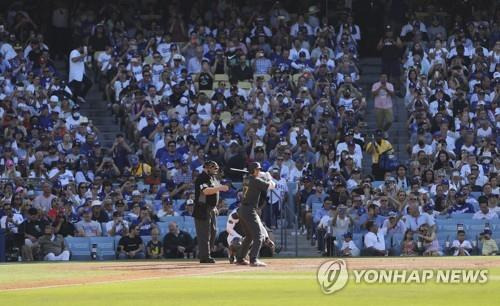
{"x": 253, "y": 188}
{"x": 207, "y": 189}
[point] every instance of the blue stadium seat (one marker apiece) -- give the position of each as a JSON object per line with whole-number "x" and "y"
{"x": 189, "y": 226}
{"x": 178, "y": 204}
{"x": 462, "y": 216}
{"x": 177, "y": 219}
{"x": 79, "y": 247}
{"x": 230, "y": 201}
{"x": 157, "y": 204}
{"x": 163, "y": 227}
{"x": 146, "y": 239}
{"x": 476, "y": 195}
{"x": 103, "y": 229}
{"x": 105, "y": 247}
{"x": 359, "y": 240}
{"x": 377, "y": 184}
{"x": 237, "y": 185}
{"x": 449, "y": 227}
{"x": 221, "y": 223}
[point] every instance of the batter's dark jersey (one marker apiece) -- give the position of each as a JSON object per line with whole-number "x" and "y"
{"x": 252, "y": 190}
{"x": 203, "y": 202}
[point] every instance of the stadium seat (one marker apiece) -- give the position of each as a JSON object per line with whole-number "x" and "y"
{"x": 221, "y": 223}
{"x": 230, "y": 201}
{"x": 79, "y": 247}
{"x": 449, "y": 227}
{"x": 476, "y": 195}
{"x": 266, "y": 77}
{"x": 167, "y": 219}
{"x": 377, "y": 184}
{"x": 462, "y": 216}
{"x": 220, "y": 77}
{"x": 146, "y": 239}
{"x": 208, "y": 93}
{"x": 237, "y": 185}
{"x": 105, "y": 247}
{"x": 178, "y": 203}
{"x": 245, "y": 85}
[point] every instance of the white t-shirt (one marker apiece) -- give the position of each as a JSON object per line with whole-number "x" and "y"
{"x": 376, "y": 241}
{"x": 76, "y": 69}
{"x": 354, "y": 248}
{"x": 464, "y": 245}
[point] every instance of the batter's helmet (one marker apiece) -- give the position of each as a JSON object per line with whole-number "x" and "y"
{"x": 253, "y": 166}
{"x": 210, "y": 164}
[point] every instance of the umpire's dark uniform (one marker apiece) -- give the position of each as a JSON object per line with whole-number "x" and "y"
{"x": 249, "y": 219}
{"x": 204, "y": 214}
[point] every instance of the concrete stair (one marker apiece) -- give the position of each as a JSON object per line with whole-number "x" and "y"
{"x": 97, "y": 111}
{"x": 398, "y": 135}
{"x": 304, "y": 248}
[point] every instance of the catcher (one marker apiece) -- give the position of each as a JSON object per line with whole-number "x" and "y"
{"x": 235, "y": 235}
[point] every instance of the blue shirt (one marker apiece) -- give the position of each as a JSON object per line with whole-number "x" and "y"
{"x": 166, "y": 158}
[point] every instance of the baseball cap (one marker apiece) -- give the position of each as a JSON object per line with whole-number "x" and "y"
{"x": 348, "y": 235}
{"x": 393, "y": 214}
{"x": 190, "y": 202}
{"x": 96, "y": 203}
{"x": 136, "y": 193}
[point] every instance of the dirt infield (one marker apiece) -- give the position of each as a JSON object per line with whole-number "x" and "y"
{"x": 106, "y": 272}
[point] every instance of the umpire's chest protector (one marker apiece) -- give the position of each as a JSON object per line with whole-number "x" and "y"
{"x": 202, "y": 202}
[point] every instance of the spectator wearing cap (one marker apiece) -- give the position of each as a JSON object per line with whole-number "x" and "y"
{"x": 376, "y": 147}
{"x": 393, "y": 224}
{"x": 348, "y": 247}
{"x": 461, "y": 206}
{"x": 139, "y": 169}
{"x": 53, "y": 247}
{"x": 84, "y": 174}
{"x": 88, "y": 227}
{"x": 489, "y": 245}
{"x": 98, "y": 214}
{"x": 145, "y": 223}
{"x": 261, "y": 64}
{"x": 188, "y": 208}
{"x": 31, "y": 230}
{"x": 167, "y": 208}
{"x": 276, "y": 199}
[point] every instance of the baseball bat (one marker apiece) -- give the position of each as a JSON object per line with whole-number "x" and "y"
{"x": 238, "y": 170}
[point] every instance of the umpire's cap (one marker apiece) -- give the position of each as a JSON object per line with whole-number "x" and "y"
{"x": 210, "y": 164}
{"x": 253, "y": 166}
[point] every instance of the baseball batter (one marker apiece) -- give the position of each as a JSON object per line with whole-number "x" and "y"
{"x": 254, "y": 186}
{"x": 235, "y": 234}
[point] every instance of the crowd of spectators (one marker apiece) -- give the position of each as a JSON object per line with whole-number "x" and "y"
{"x": 236, "y": 83}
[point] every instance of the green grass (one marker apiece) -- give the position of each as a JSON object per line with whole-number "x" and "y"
{"x": 259, "y": 287}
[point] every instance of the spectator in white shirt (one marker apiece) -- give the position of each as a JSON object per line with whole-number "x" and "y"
{"x": 349, "y": 248}
{"x": 374, "y": 240}
{"x": 77, "y": 79}
{"x": 484, "y": 212}
{"x": 461, "y": 246}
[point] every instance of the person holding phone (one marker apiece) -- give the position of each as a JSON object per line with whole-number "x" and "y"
{"x": 78, "y": 81}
